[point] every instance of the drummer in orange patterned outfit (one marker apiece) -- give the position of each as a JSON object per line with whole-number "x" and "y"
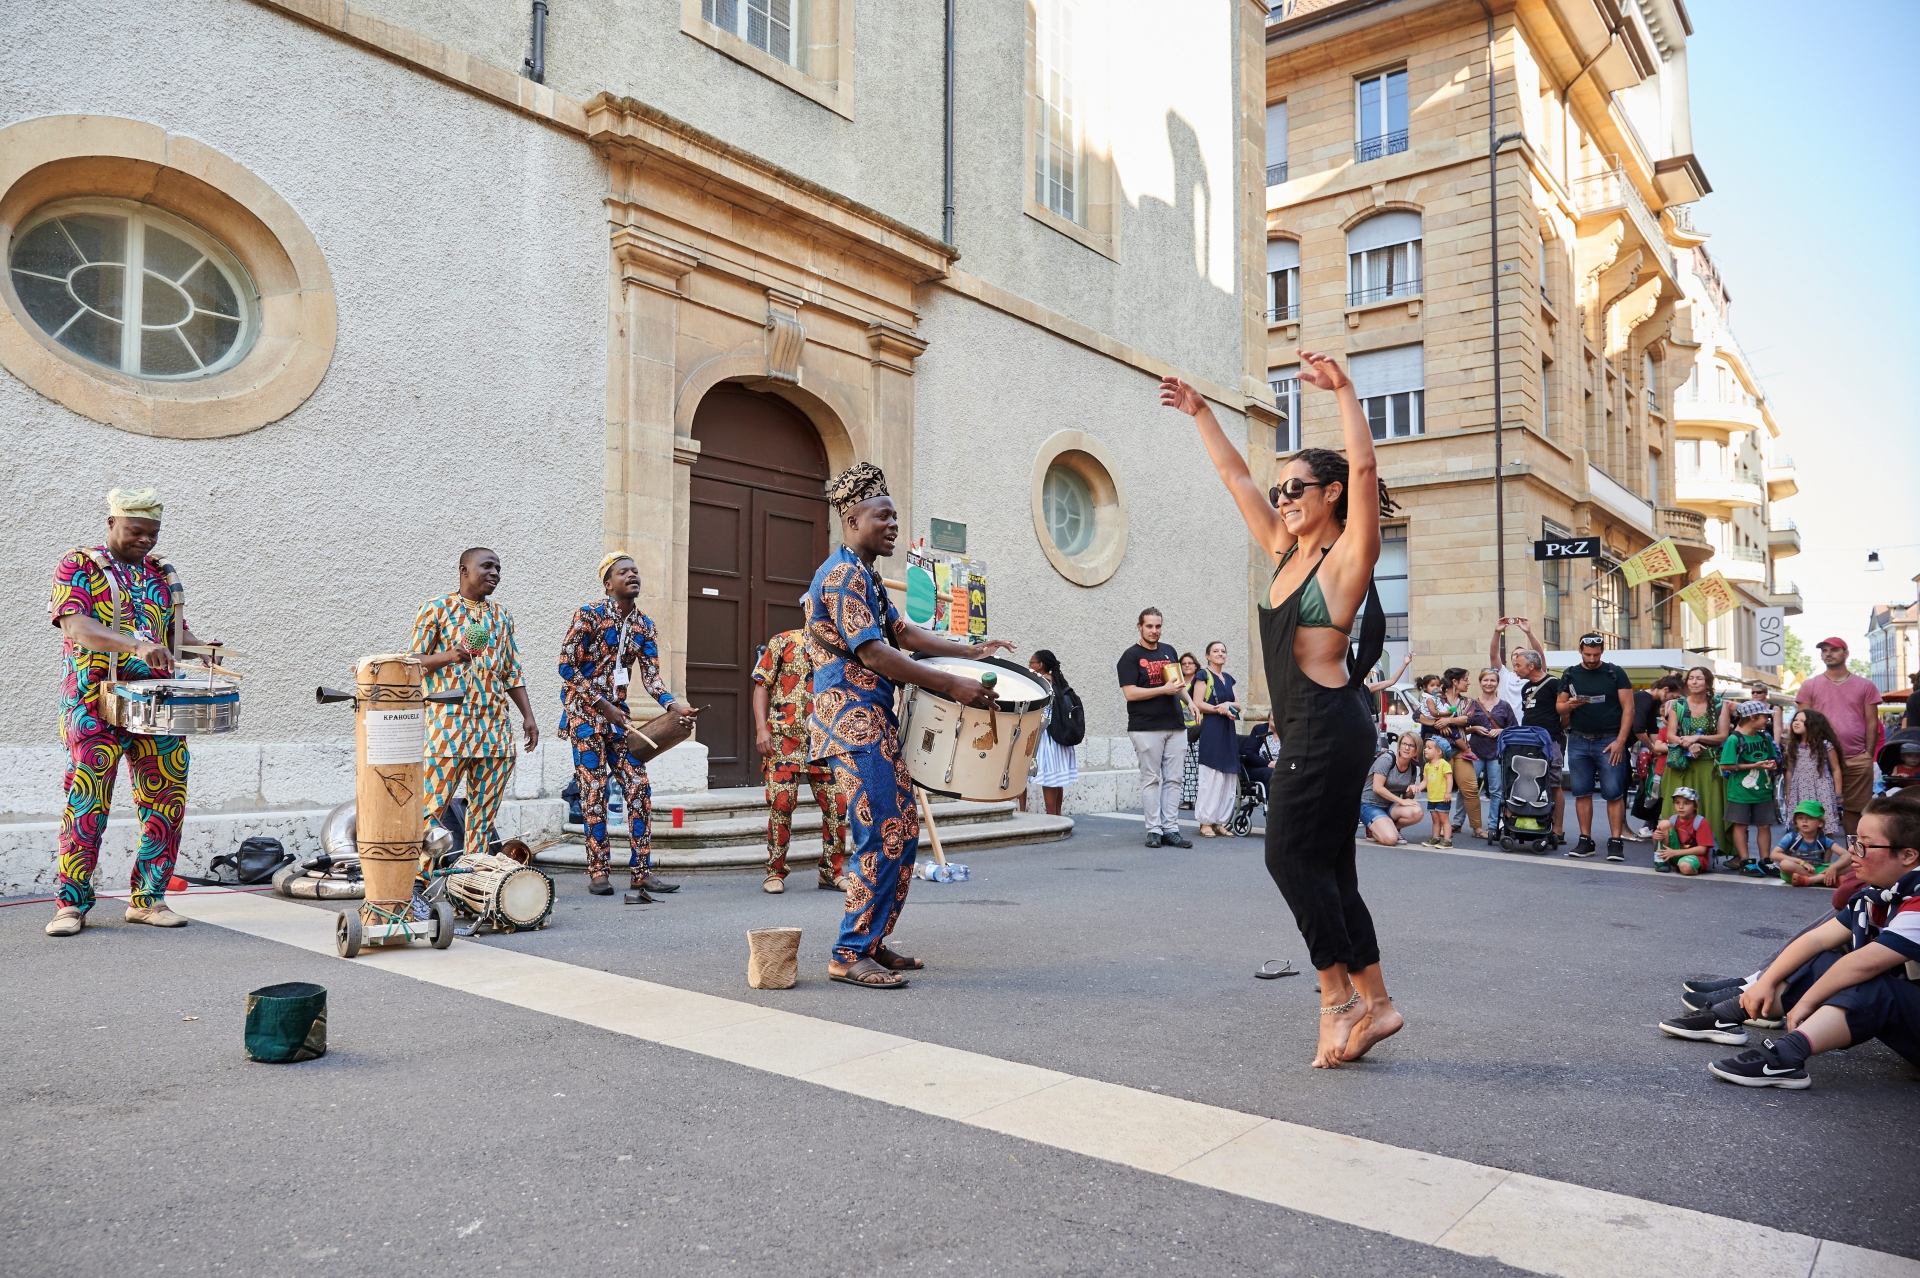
{"x": 782, "y": 703}
{"x": 855, "y": 636}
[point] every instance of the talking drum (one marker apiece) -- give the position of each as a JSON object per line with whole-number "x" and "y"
{"x": 500, "y": 891}
{"x": 178, "y": 707}
{"x": 982, "y": 755}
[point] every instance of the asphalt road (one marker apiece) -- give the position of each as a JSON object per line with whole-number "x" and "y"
{"x": 443, "y": 1128}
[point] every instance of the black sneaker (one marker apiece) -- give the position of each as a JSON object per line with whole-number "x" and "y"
{"x": 1174, "y": 840}
{"x": 1701, "y": 1000}
{"x": 1706, "y": 984}
{"x": 1583, "y": 849}
{"x": 1759, "y": 1067}
{"x": 1754, "y": 870}
{"x": 1616, "y": 850}
{"x": 1153, "y": 839}
{"x": 1705, "y": 1027}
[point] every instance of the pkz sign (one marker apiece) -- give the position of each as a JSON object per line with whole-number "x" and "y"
{"x": 1568, "y": 548}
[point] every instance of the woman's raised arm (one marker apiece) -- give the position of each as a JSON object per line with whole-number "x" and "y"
{"x": 1353, "y": 556}
{"x": 1263, "y": 521}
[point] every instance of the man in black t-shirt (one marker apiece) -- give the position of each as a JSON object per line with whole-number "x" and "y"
{"x": 1156, "y": 727}
{"x": 1597, "y": 698}
{"x": 1540, "y": 708}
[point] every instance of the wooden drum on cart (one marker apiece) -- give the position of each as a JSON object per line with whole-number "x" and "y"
{"x": 982, "y": 755}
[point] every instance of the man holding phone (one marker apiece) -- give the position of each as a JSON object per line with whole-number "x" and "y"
{"x": 608, "y": 641}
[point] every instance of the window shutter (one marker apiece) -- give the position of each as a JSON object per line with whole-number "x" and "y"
{"x": 1276, "y": 134}
{"x": 1282, "y": 255}
{"x": 1388, "y": 372}
{"x": 1395, "y": 227}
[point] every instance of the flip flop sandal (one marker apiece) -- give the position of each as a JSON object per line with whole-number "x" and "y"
{"x": 866, "y": 967}
{"x": 637, "y": 896}
{"x": 1269, "y": 972}
{"x": 896, "y": 962}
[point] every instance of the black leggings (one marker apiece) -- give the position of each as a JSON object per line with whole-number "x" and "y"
{"x": 1313, "y": 807}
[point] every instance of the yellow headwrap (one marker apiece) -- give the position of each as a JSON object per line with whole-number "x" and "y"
{"x": 606, "y": 565}
{"x": 135, "y": 503}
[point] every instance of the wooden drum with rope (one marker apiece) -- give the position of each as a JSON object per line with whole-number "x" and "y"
{"x": 390, "y": 738}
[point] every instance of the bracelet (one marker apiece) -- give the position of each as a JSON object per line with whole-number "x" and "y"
{"x": 1344, "y": 1007}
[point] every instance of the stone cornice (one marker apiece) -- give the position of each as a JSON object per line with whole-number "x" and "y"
{"x": 626, "y": 129}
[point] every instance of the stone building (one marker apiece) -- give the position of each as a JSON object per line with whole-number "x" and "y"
{"x": 1382, "y": 217}
{"x": 1893, "y": 646}
{"x": 650, "y": 301}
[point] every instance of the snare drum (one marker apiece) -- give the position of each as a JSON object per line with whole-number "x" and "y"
{"x": 177, "y": 707}
{"x": 500, "y": 891}
{"x": 982, "y": 755}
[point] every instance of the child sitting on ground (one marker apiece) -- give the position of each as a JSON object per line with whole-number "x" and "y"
{"x": 1806, "y": 857}
{"x": 1684, "y": 841}
{"x": 1439, "y": 776}
{"x": 1748, "y": 761}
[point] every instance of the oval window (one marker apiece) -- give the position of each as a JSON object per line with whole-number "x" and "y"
{"x": 187, "y": 311}
{"x": 1068, "y": 505}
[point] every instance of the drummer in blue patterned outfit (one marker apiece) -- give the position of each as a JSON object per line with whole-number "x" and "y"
{"x": 855, "y": 636}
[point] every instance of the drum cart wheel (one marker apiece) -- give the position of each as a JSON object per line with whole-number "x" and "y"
{"x": 346, "y": 931}
{"x": 442, "y": 924}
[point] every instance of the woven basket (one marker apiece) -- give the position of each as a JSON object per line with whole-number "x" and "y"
{"x": 773, "y": 958}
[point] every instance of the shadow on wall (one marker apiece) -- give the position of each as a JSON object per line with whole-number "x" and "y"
{"x": 1187, "y": 220}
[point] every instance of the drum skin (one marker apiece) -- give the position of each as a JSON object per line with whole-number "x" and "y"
{"x": 500, "y": 891}
{"x": 979, "y": 755}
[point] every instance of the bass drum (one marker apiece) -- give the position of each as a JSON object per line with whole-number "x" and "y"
{"x": 964, "y": 753}
{"x": 500, "y": 891}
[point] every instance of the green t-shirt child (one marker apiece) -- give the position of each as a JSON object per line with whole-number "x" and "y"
{"x": 1753, "y": 785}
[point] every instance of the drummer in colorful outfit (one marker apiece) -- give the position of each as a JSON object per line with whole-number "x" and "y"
{"x": 82, "y": 606}
{"x": 782, "y": 705}
{"x": 855, "y": 636}
{"x": 610, "y": 641}
{"x": 465, "y": 644}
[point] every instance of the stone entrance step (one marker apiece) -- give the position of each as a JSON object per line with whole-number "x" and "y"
{"x": 727, "y": 829}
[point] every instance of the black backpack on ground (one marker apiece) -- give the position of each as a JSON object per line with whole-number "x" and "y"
{"x": 1068, "y": 727}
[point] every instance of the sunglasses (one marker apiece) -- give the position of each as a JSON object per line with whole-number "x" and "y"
{"x": 1292, "y": 490}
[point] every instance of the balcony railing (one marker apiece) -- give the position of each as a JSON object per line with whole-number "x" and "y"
{"x": 1611, "y": 189}
{"x": 1653, "y": 401}
{"x": 1380, "y": 293}
{"x": 1280, "y": 314}
{"x": 1683, "y": 524}
{"x": 1276, "y": 173}
{"x": 1746, "y": 554}
{"x": 1386, "y": 144}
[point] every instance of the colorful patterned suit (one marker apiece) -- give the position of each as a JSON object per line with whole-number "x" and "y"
{"x": 158, "y": 765}
{"x": 853, "y": 731}
{"x": 596, "y": 660}
{"x": 472, "y": 741}
{"x": 785, "y": 670}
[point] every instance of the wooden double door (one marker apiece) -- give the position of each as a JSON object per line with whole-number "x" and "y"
{"x": 758, "y": 530}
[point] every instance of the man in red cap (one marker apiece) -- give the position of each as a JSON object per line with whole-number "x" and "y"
{"x": 1852, "y": 706}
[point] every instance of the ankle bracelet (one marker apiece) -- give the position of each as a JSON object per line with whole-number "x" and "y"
{"x": 1347, "y": 1006}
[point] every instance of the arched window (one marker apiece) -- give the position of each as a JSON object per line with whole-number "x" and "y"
{"x": 1383, "y": 258}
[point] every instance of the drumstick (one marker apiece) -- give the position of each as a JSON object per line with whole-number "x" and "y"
{"x": 926, "y": 818}
{"x": 220, "y": 648}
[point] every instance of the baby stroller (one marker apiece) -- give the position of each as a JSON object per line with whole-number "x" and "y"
{"x": 1525, "y": 823}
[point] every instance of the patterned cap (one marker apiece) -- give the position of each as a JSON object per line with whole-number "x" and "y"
{"x": 1750, "y": 709}
{"x": 1688, "y": 793}
{"x": 863, "y": 481}
{"x": 606, "y": 565}
{"x": 134, "y": 503}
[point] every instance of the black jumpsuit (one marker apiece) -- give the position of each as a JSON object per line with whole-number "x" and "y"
{"x": 1327, "y": 743}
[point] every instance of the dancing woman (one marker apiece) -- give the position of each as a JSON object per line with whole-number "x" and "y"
{"x": 1324, "y": 572}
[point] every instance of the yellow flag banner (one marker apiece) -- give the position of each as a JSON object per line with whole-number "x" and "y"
{"x": 1661, "y": 559}
{"x": 1709, "y": 597}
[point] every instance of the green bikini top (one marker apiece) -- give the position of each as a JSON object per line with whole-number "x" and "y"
{"x": 1313, "y": 604}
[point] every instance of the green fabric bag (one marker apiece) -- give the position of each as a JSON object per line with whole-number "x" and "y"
{"x": 287, "y": 1023}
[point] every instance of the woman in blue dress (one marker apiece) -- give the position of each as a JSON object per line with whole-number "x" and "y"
{"x": 1218, "y": 704}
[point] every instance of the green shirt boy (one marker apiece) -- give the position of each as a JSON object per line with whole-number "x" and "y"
{"x": 1750, "y": 785}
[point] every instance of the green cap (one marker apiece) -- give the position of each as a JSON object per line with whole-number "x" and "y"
{"x": 1812, "y": 808}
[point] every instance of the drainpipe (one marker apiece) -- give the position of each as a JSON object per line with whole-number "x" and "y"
{"x": 1494, "y": 143}
{"x": 537, "y": 64}
{"x": 946, "y": 211}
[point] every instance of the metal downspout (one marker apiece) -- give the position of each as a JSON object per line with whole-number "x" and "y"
{"x": 536, "y": 65}
{"x": 946, "y": 210}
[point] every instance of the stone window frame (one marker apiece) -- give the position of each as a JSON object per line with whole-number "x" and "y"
{"x": 825, "y": 34}
{"x": 1101, "y": 231}
{"x": 1100, "y": 470}
{"x": 54, "y": 158}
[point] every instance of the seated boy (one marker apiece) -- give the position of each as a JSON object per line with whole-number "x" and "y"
{"x": 1806, "y": 856}
{"x": 1439, "y": 777}
{"x": 1684, "y": 841}
{"x": 1748, "y": 761}
{"x": 1845, "y": 981}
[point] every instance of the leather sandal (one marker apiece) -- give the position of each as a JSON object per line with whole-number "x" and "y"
{"x": 869, "y": 975}
{"x": 637, "y": 895}
{"x": 654, "y": 883}
{"x": 598, "y": 885}
{"x": 896, "y": 962}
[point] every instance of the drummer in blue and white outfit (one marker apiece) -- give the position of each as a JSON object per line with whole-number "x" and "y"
{"x": 855, "y": 636}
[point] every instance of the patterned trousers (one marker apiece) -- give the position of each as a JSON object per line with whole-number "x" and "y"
{"x": 486, "y": 778}
{"x": 783, "y": 795}
{"x": 593, "y": 763}
{"x": 872, "y": 787}
{"x": 158, "y": 766}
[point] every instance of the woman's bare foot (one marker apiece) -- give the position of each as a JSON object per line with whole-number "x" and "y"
{"x": 1335, "y": 1029}
{"x": 1383, "y": 1020}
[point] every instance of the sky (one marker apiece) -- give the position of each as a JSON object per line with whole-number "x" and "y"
{"x": 1805, "y": 120}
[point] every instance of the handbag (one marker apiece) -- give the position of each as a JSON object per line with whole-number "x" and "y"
{"x": 256, "y": 862}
